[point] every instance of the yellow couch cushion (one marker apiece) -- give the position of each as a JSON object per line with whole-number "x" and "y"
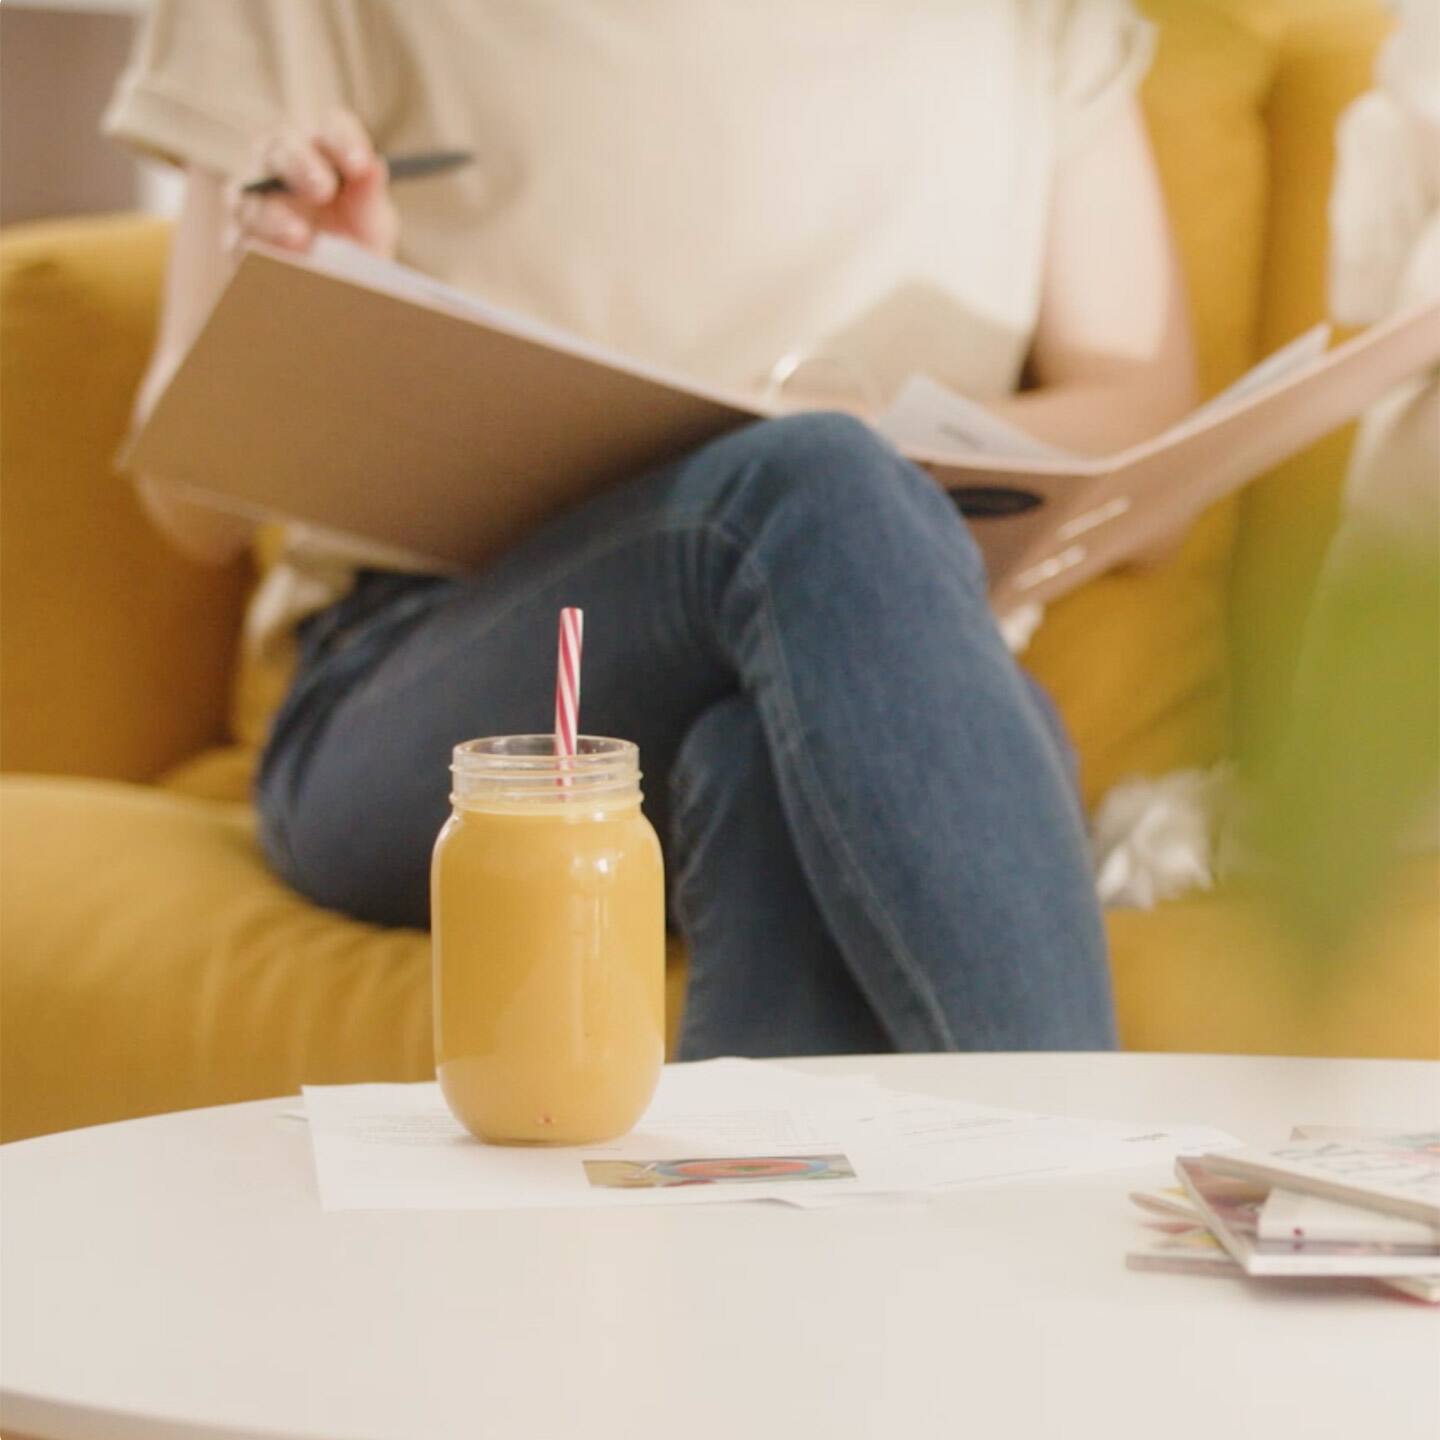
{"x": 226, "y": 772}
{"x": 262, "y": 675}
{"x": 1220, "y": 973}
{"x": 151, "y": 962}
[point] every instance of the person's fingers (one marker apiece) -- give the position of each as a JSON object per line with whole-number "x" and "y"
{"x": 306, "y": 172}
{"x": 366, "y": 212}
{"x": 370, "y": 187}
{"x": 334, "y": 181}
{"x": 273, "y": 219}
{"x": 363, "y": 209}
{"x": 346, "y": 144}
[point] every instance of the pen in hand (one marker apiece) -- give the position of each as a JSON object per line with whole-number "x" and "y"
{"x": 413, "y": 165}
{"x": 327, "y": 181}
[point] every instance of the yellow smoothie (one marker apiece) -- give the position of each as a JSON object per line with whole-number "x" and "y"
{"x": 549, "y": 951}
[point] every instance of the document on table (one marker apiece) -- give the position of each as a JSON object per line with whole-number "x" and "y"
{"x": 717, "y": 1131}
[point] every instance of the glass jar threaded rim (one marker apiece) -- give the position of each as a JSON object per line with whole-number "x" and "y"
{"x": 524, "y": 770}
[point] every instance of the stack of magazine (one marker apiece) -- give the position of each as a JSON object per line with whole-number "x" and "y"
{"x": 1330, "y": 1204}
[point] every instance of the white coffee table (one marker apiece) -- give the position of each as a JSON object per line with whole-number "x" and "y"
{"x": 176, "y": 1277}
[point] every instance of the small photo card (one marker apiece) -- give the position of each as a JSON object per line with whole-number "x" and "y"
{"x": 716, "y": 1170}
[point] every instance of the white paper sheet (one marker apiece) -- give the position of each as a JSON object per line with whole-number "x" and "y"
{"x": 787, "y": 1136}
{"x": 927, "y": 416}
{"x": 1305, "y": 348}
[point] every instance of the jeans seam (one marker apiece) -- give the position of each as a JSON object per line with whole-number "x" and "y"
{"x": 679, "y": 828}
{"x": 829, "y": 827}
{"x": 688, "y": 909}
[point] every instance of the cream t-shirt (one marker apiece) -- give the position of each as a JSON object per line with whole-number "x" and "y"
{"x": 712, "y": 185}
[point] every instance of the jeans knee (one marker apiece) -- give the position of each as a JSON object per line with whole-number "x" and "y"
{"x": 831, "y": 472}
{"x": 813, "y": 432}
{"x": 823, "y": 460}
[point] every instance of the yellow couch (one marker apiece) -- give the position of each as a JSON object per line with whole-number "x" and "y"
{"x": 149, "y": 960}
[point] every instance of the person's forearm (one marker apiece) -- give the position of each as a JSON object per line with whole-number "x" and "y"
{"x": 1096, "y": 418}
{"x": 1100, "y": 418}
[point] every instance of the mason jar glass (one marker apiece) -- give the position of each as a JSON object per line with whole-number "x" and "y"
{"x": 548, "y": 934}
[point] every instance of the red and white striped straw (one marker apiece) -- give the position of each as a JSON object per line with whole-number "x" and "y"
{"x": 567, "y": 680}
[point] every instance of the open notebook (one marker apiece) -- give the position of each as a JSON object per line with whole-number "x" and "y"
{"x": 370, "y": 401}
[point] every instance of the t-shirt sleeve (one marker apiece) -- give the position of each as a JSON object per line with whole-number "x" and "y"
{"x": 1103, "y": 49}
{"x": 208, "y": 78}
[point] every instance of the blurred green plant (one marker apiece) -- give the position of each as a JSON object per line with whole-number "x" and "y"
{"x": 1360, "y": 767}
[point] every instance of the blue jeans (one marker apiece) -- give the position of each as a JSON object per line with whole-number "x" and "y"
{"x": 872, "y": 837}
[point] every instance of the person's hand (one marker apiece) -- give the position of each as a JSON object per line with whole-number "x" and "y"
{"x": 335, "y": 182}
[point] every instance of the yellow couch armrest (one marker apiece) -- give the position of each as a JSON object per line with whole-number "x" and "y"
{"x": 115, "y": 652}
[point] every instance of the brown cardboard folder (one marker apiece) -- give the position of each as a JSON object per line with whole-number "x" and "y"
{"x": 372, "y": 403}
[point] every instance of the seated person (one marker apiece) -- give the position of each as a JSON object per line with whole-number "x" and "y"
{"x": 872, "y": 836}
